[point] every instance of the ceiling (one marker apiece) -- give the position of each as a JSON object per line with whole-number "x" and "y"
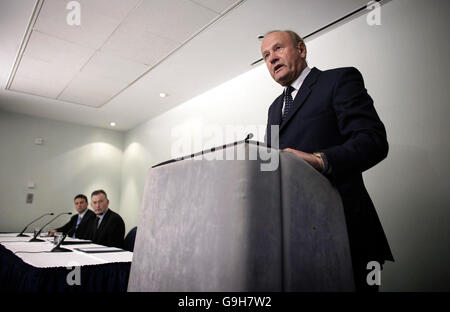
{"x": 124, "y": 53}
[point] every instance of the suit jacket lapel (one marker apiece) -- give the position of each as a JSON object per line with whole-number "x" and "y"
{"x": 276, "y": 116}
{"x": 302, "y": 94}
{"x": 73, "y": 221}
{"x": 104, "y": 220}
{"x": 88, "y": 215}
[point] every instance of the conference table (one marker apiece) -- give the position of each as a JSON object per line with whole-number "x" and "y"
{"x": 32, "y": 267}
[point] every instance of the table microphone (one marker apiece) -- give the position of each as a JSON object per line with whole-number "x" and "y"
{"x": 61, "y": 249}
{"x": 248, "y": 137}
{"x": 34, "y": 239}
{"x": 23, "y": 235}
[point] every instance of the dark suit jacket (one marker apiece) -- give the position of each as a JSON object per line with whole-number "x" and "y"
{"x": 84, "y": 228}
{"x": 111, "y": 230}
{"x": 335, "y": 115}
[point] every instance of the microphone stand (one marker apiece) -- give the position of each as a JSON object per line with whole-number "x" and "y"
{"x": 25, "y": 228}
{"x": 35, "y": 239}
{"x": 57, "y": 248}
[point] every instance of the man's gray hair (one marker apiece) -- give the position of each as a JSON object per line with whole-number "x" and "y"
{"x": 296, "y": 39}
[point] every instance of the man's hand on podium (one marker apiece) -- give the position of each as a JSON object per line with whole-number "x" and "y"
{"x": 315, "y": 161}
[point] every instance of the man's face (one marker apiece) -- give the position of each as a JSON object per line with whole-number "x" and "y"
{"x": 80, "y": 204}
{"x": 99, "y": 203}
{"x": 284, "y": 60}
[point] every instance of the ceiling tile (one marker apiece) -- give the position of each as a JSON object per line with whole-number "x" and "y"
{"x": 218, "y": 6}
{"x": 177, "y": 20}
{"x": 56, "y": 51}
{"x": 46, "y": 86}
{"x": 36, "y": 69}
{"x": 91, "y": 91}
{"x": 105, "y": 65}
{"x": 48, "y": 65}
{"x": 115, "y": 9}
{"x": 134, "y": 42}
{"x": 94, "y": 29}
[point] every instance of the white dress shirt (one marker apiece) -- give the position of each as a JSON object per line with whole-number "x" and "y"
{"x": 297, "y": 84}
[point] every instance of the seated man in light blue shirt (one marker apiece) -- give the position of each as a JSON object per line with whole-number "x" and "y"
{"x": 80, "y": 225}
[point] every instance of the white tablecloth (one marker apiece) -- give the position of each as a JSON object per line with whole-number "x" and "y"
{"x": 38, "y": 254}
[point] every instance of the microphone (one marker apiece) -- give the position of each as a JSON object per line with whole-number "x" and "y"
{"x": 57, "y": 248}
{"x": 246, "y": 140}
{"x": 23, "y": 235}
{"x": 34, "y": 239}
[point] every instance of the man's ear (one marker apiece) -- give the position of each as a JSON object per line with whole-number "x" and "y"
{"x": 301, "y": 47}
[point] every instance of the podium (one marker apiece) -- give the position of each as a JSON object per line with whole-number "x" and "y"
{"x": 227, "y": 225}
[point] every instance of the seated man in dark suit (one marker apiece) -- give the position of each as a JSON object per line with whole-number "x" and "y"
{"x": 80, "y": 225}
{"x": 108, "y": 228}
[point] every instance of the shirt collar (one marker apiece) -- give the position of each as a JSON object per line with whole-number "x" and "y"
{"x": 299, "y": 81}
{"x": 103, "y": 214}
{"x": 81, "y": 215}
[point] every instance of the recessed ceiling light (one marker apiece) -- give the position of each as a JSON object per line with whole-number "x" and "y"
{"x": 112, "y": 124}
{"x": 163, "y": 95}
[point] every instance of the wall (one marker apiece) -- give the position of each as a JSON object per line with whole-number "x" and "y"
{"x": 405, "y": 64}
{"x": 73, "y": 159}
